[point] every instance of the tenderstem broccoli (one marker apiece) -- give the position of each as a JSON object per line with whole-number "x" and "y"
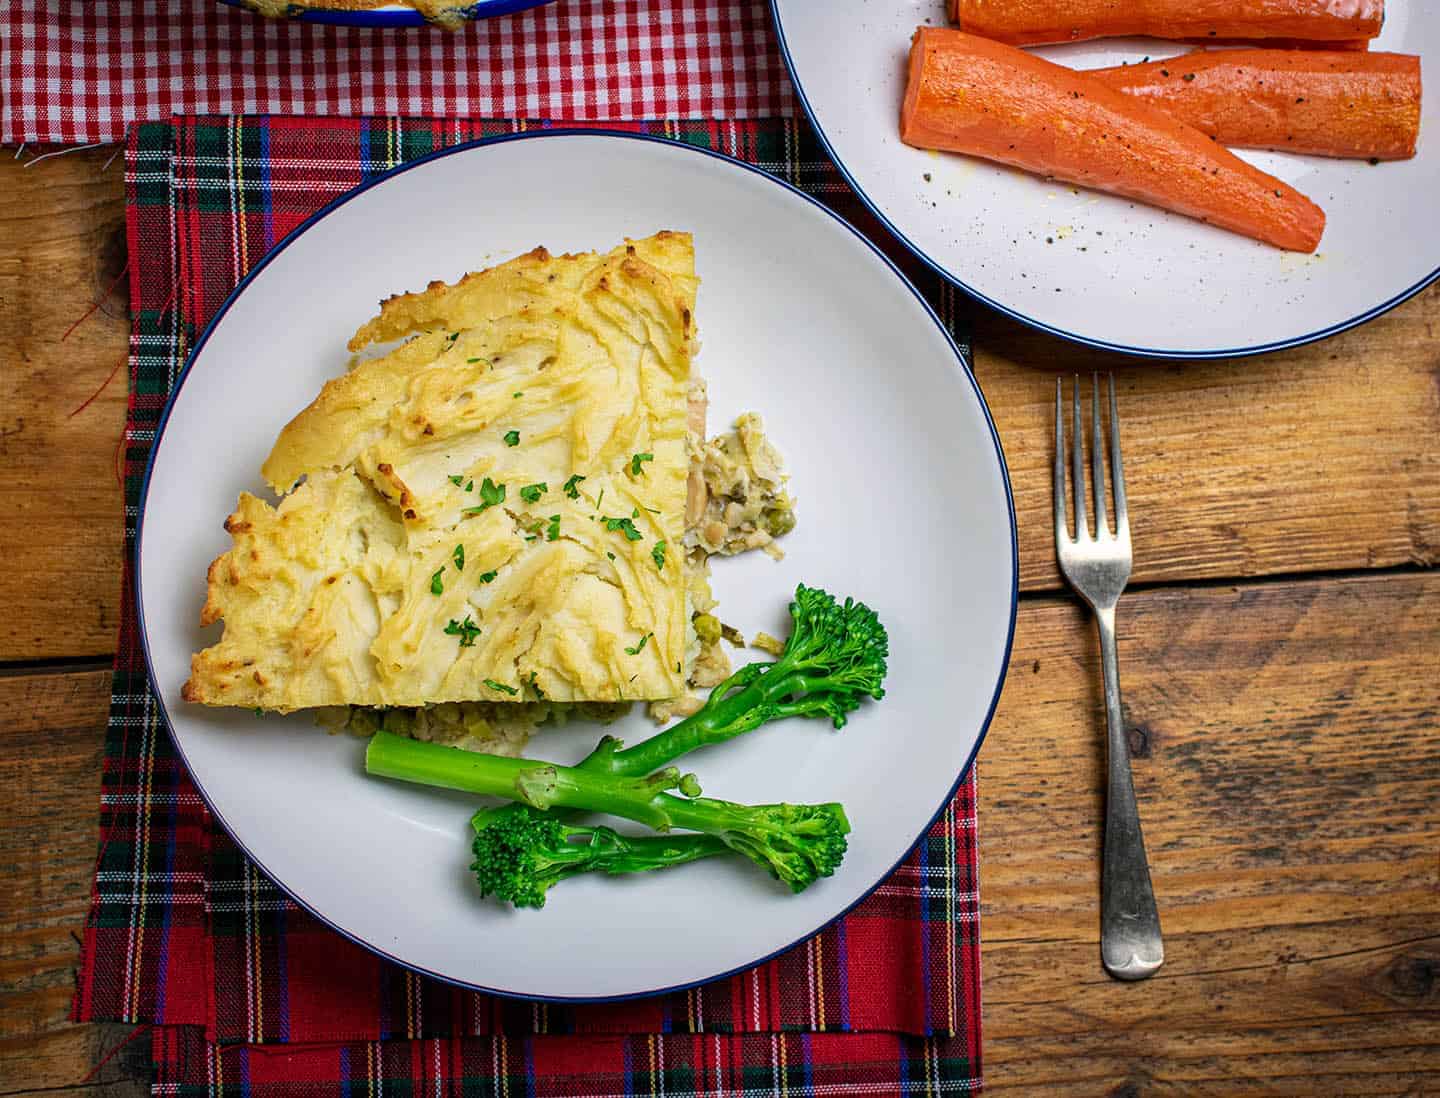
{"x": 520, "y": 856}
{"x": 797, "y": 844}
{"x": 833, "y": 659}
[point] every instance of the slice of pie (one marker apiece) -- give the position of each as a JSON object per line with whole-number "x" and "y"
{"x": 494, "y": 510}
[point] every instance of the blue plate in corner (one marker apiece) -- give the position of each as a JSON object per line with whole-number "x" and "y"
{"x": 398, "y": 15}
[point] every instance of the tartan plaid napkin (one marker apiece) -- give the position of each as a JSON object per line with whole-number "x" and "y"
{"x": 185, "y": 932}
{"x": 82, "y": 70}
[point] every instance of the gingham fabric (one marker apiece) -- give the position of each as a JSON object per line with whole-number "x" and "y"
{"x": 184, "y": 931}
{"x": 82, "y": 70}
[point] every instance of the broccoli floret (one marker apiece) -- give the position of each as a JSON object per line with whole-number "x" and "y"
{"x": 520, "y": 856}
{"x": 796, "y": 843}
{"x": 833, "y": 660}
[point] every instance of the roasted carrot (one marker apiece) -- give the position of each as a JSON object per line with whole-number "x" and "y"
{"x": 1332, "y": 104}
{"x": 1282, "y": 43}
{"x": 1033, "y": 22}
{"x": 968, "y": 94}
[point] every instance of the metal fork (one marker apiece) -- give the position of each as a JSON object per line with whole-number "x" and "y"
{"x": 1097, "y": 567}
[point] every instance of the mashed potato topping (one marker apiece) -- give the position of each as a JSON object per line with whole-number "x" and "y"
{"x": 504, "y": 729}
{"x": 504, "y": 521}
{"x": 492, "y": 511}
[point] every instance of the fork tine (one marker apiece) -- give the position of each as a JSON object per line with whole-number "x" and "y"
{"x": 1117, "y": 469}
{"x": 1077, "y": 458}
{"x": 1097, "y": 460}
{"x": 1061, "y": 529}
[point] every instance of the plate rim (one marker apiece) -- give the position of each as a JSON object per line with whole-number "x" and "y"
{"x": 961, "y": 359}
{"x": 1040, "y": 325}
{"x": 336, "y": 17}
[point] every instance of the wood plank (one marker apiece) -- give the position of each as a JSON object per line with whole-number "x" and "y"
{"x": 73, "y": 1052}
{"x": 51, "y": 745}
{"x": 62, "y": 243}
{"x": 1288, "y": 770}
{"x": 1321, "y": 458}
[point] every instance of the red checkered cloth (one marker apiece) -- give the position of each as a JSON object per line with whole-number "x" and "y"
{"x": 186, "y": 933}
{"x": 82, "y": 70}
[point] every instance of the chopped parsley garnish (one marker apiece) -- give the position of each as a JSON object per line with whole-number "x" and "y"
{"x": 536, "y": 687}
{"x": 637, "y": 649}
{"x": 570, "y": 488}
{"x": 472, "y": 360}
{"x": 469, "y": 486}
{"x": 653, "y": 510}
{"x": 490, "y": 494}
{"x": 453, "y": 336}
{"x": 609, "y": 554}
{"x": 552, "y": 532}
{"x": 625, "y": 526}
{"x": 600, "y": 499}
{"x": 532, "y": 537}
{"x": 634, "y": 512}
{"x": 517, "y": 396}
{"x": 437, "y": 585}
{"x": 531, "y": 493}
{"x": 457, "y": 479}
{"x": 466, "y": 630}
{"x": 493, "y": 685}
{"x": 636, "y": 460}
{"x": 657, "y": 554}
{"x": 259, "y": 712}
{"x": 458, "y": 556}
{"x": 488, "y": 577}
{"x": 512, "y": 438}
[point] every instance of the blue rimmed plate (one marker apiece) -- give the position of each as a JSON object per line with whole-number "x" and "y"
{"x": 398, "y": 15}
{"x": 1096, "y": 268}
{"x": 903, "y": 497}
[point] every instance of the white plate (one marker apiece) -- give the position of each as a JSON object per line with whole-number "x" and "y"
{"x": 1146, "y": 282}
{"x": 903, "y": 502}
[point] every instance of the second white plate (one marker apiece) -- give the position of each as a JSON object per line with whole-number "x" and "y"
{"x": 1096, "y": 268}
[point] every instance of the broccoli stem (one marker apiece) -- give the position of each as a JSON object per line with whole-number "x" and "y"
{"x": 833, "y": 658}
{"x": 642, "y": 853}
{"x": 545, "y": 785}
{"x": 733, "y": 709}
{"x": 795, "y": 843}
{"x": 538, "y": 784}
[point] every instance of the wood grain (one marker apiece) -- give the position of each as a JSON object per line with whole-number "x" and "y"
{"x": 62, "y": 242}
{"x": 1288, "y": 770}
{"x": 1321, "y": 458}
{"x": 51, "y": 746}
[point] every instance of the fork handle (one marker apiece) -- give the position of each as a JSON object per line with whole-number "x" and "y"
{"x": 1130, "y": 943}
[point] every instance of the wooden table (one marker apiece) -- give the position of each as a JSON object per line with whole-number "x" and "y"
{"x": 1280, "y": 646}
